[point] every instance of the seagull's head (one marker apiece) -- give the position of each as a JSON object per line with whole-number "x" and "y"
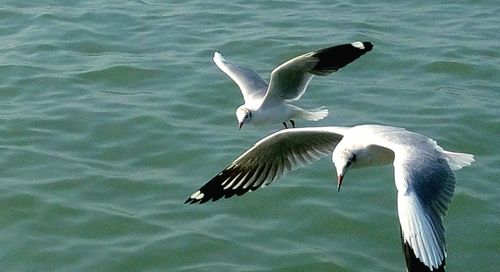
{"x": 243, "y": 114}
{"x": 343, "y": 159}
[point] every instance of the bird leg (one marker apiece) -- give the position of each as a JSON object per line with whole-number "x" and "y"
{"x": 284, "y": 123}
{"x": 293, "y": 123}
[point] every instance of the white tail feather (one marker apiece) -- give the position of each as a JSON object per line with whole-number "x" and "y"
{"x": 314, "y": 114}
{"x": 458, "y": 160}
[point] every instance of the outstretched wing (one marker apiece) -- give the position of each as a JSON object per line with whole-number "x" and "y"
{"x": 268, "y": 159}
{"x": 252, "y": 86}
{"x": 425, "y": 184}
{"x": 289, "y": 80}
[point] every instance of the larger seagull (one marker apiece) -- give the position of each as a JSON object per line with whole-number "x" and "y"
{"x": 422, "y": 172}
{"x": 269, "y": 103}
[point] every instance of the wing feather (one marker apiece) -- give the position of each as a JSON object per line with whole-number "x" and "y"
{"x": 268, "y": 159}
{"x": 425, "y": 187}
{"x": 425, "y": 184}
{"x": 252, "y": 86}
{"x": 289, "y": 80}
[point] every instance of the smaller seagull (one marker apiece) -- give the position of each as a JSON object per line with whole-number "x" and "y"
{"x": 422, "y": 172}
{"x": 268, "y": 103}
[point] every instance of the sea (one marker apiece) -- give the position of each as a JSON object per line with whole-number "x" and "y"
{"x": 112, "y": 113}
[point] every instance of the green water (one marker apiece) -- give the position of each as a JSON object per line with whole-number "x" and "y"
{"x": 112, "y": 113}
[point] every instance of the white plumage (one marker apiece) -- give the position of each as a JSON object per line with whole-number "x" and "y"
{"x": 267, "y": 104}
{"x": 422, "y": 172}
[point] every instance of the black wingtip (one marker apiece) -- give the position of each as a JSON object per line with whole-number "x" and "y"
{"x": 333, "y": 58}
{"x": 368, "y": 46}
{"x": 362, "y": 47}
{"x": 194, "y": 200}
{"x": 197, "y": 196}
{"x": 191, "y": 201}
{"x": 413, "y": 264}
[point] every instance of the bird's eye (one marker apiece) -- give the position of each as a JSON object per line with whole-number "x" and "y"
{"x": 348, "y": 164}
{"x": 351, "y": 160}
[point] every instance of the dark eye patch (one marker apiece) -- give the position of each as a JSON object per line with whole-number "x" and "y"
{"x": 351, "y": 160}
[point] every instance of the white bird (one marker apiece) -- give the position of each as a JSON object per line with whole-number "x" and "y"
{"x": 267, "y": 104}
{"x": 422, "y": 172}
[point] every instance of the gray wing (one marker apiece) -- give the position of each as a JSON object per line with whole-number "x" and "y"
{"x": 252, "y": 86}
{"x": 425, "y": 185}
{"x": 268, "y": 159}
{"x": 289, "y": 80}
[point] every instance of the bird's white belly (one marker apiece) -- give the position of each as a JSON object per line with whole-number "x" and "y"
{"x": 270, "y": 116}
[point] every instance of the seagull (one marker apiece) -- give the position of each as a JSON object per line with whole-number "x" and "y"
{"x": 422, "y": 171}
{"x": 269, "y": 103}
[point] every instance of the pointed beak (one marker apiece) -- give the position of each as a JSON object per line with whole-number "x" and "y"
{"x": 240, "y": 125}
{"x": 339, "y": 182}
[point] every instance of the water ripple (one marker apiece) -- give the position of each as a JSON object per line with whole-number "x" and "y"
{"x": 111, "y": 114}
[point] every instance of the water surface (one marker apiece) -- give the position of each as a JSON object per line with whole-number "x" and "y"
{"x": 112, "y": 113}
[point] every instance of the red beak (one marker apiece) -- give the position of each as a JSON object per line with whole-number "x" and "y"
{"x": 339, "y": 182}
